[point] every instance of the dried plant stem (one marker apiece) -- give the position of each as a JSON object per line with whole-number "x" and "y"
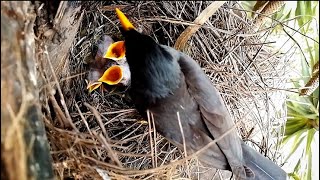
{"x": 150, "y": 137}
{"x": 155, "y": 141}
{"x": 182, "y": 134}
{"x": 201, "y": 19}
{"x": 238, "y": 61}
{"x": 313, "y": 82}
{"x": 63, "y": 102}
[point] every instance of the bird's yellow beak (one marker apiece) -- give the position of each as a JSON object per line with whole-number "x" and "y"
{"x": 116, "y": 51}
{"x": 126, "y": 24}
{"x": 93, "y": 85}
{"x": 113, "y": 75}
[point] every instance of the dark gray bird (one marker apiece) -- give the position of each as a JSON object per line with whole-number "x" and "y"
{"x": 166, "y": 81}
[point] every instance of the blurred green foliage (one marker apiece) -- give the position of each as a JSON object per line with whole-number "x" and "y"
{"x": 302, "y": 111}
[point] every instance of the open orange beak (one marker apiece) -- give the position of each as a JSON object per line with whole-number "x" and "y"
{"x": 93, "y": 85}
{"x": 126, "y": 24}
{"x": 116, "y": 51}
{"x": 113, "y": 75}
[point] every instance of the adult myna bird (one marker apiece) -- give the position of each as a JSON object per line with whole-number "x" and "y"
{"x": 109, "y": 64}
{"x": 166, "y": 81}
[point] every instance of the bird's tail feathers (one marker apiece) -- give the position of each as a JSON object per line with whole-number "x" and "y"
{"x": 263, "y": 168}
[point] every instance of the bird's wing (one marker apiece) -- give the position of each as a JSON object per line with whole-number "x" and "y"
{"x": 214, "y": 113}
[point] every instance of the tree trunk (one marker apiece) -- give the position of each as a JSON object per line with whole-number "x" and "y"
{"x": 24, "y": 146}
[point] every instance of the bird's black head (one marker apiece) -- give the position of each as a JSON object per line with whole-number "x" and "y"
{"x": 155, "y": 72}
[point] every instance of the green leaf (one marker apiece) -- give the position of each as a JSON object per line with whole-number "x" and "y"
{"x": 305, "y": 70}
{"x": 297, "y": 133}
{"x": 292, "y": 128}
{"x": 294, "y": 176}
{"x": 303, "y": 116}
{"x": 302, "y": 106}
{"x": 308, "y": 154}
{"x": 309, "y": 169}
{"x": 304, "y": 9}
{"x": 301, "y": 11}
{"x": 298, "y": 109}
{"x": 298, "y": 166}
{"x": 303, "y": 112}
{"x": 287, "y": 11}
{"x": 295, "y": 145}
{"x": 310, "y": 136}
{"x": 310, "y": 52}
{"x": 315, "y": 94}
{"x": 315, "y": 100}
{"x": 248, "y": 5}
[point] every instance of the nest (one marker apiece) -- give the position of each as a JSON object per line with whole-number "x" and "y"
{"x": 107, "y": 136}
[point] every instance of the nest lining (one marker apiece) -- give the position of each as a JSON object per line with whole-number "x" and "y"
{"x": 112, "y": 136}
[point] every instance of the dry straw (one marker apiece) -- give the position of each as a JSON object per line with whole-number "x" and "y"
{"x": 106, "y": 133}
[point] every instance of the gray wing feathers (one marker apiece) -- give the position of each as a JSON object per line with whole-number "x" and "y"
{"x": 214, "y": 113}
{"x": 245, "y": 162}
